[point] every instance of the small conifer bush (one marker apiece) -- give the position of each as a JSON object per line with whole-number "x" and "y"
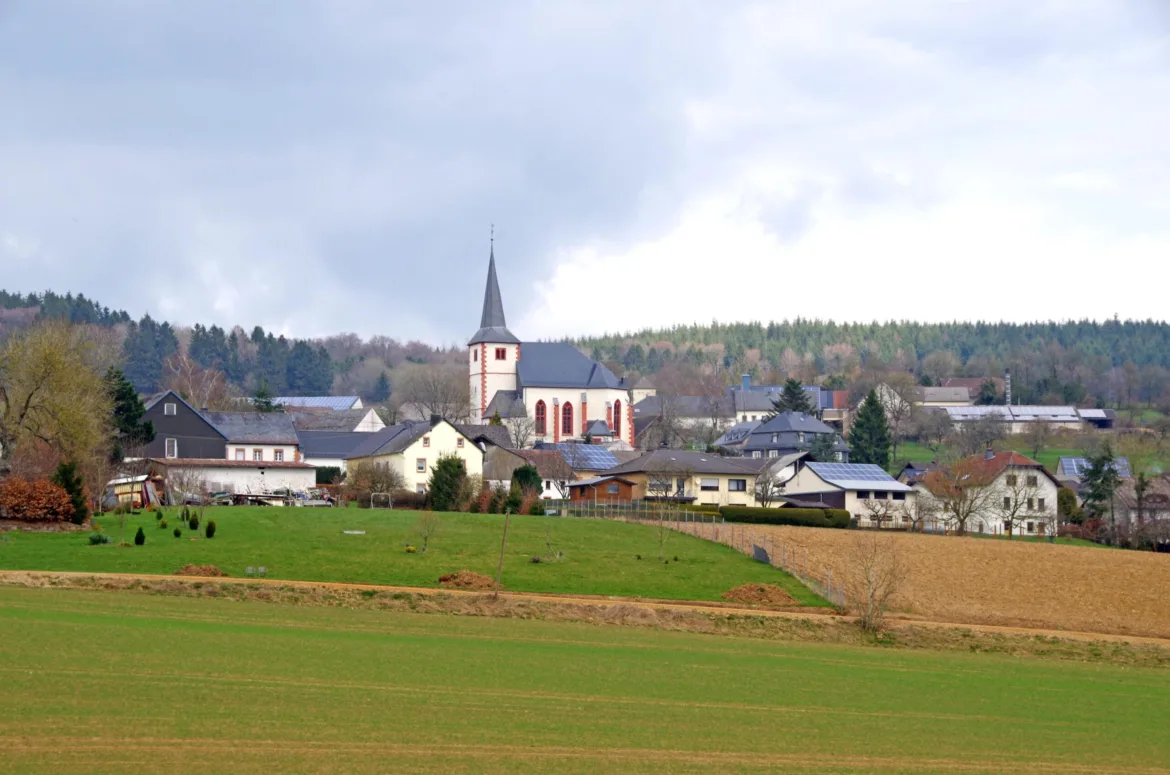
{"x": 139, "y": 537}
{"x": 209, "y": 531}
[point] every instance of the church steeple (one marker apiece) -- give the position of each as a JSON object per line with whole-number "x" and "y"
{"x": 492, "y": 327}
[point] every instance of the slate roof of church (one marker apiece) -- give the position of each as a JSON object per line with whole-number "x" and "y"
{"x": 492, "y": 326}
{"x": 560, "y": 364}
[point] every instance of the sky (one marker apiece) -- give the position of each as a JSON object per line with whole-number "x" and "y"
{"x": 327, "y": 166}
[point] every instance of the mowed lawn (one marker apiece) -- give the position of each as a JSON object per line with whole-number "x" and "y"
{"x": 104, "y": 682}
{"x": 599, "y": 557}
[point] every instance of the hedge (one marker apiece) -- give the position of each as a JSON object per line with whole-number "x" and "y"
{"x": 836, "y": 518}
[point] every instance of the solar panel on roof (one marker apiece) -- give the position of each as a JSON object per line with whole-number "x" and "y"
{"x": 864, "y": 472}
{"x": 586, "y": 455}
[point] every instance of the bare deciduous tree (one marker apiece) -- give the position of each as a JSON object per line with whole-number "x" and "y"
{"x": 975, "y": 436}
{"x": 884, "y": 512}
{"x": 436, "y": 390}
{"x": 876, "y": 572}
{"x": 201, "y": 387}
{"x": 922, "y": 509}
{"x": 374, "y": 478}
{"x": 899, "y": 398}
{"x": 769, "y": 486}
{"x": 427, "y": 527}
{"x": 1038, "y": 435}
{"x": 1015, "y": 499}
{"x": 964, "y": 491}
{"x": 521, "y": 431}
{"x": 933, "y": 427}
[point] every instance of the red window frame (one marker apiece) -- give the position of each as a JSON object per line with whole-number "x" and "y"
{"x": 617, "y": 419}
{"x": 567, "y": 419}
{"x": 541, "y": 419}
{"x": 501, "y": 353}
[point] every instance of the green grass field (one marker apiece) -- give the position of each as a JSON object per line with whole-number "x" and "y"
{"x": 103, "y": 682}
{"x": 600, "y": 557}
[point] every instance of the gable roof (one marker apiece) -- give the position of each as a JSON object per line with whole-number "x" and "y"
{"x": 254, "y": 427}
{"x": 492, "y": 326}
{"x": 737, "y": 434}
{"x": 335, "y": 444}
{"x": 599, "y": 480}
{"x": 549, "y": 463}
{"x": 1075, "y": 467}
{"x": 937, "y": 394}
{"x": 598, "y": 428}
{"x": 857, "y": 476}
{"x": 681, "y": 460}
{"x": 390, "y": 440}
{"x": 507, "y": 404}
{"x": 335, "y": 403}
{"x": 560, "y": 364}
{"x": 493, "y": 434}
{"x": 337, "y": 420}
{"x": 686, "y": 406}
{"x": 582, "y": 457}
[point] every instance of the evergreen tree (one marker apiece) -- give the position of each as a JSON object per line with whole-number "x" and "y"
{"x": 381, "y": 391}
{"x": 988, "y": 395}
{"x": 635, "y": 358}
{"x": 869, "y": 439}
{"x": 130, "y": 429}
{"x": 821, "y": 449}
{"x": 653, "y": 360}
{"x": 527, "y": 479}
{"x": 496, "y": 420}
{"x": 793, "y": 399}
{"x": 67, "y": 478}
{"x": 262, "y": 399}
{"x": 1100, "y": 482}
{"x": 448, "y": 484}
{"x": 148, "y": 345}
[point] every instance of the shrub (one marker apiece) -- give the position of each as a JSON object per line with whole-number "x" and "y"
{"x": 405, "y": 499}
{"x": 473, "y": 508}
{"x": 158, "y": 516}
{"x": 139, "y": 537}
{"x": 34, "y": 501}
{"x": 534, "y": 559}
{"x": 162, "y": 524}
{"x": 328, "y": 474}
{"x": 447, "y": 484}
{"x": 410, "y": 549}
{"x": 209, "y": 531}
{"x": 536, "y": 508}
{"x": 67, "y": 478}
{"x": 193, "y": 523}
{"x": 178, "y": 533}
{"x": 513, "y": 502}
{"x": 96, "y": 539}
{"x": 835, "y": 518}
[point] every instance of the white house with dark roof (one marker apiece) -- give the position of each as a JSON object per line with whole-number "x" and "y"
{"x": 862, "y": 489}
{"x": 413, "y": 448}
{"x": 563, "y": 393}
{"x": 257, "y": 436}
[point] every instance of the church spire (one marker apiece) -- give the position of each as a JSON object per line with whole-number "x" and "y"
{"x": 492, "y": 326}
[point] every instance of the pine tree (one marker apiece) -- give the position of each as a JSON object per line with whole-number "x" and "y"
{"x": 130, "y": 430}
{"x": 822, "y": 448}
{"x": 869, "y": 439}
{"x": 1100, "y": 482}
{"x": 381, "y": 391}
{"x": 262, "y": 399}
{"x": 793, "y": 399}
{"x": 448, "y": 483}
{"x": 527, "y": 479}
{"x": 67, "y": 478}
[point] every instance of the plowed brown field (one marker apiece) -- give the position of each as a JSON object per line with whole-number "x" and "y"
{"x": 983, "y": 581}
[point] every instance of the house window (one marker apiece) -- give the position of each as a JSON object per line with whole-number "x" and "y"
{"x": 899, "y": 496}
{"x": 1011, "y": 480}
{"x": 1007, "y": 526}
{"x": 547, "y": 484}
{"x": 1040, "y": 504}
{"x": 278, "y": 455}
{"x": 459, "y": 443}
{"x": 257, "y": 454}
{"x": 421, "y": 489}
{"x": 475, "y": 355}
{"x": 1033, "y": 481}
{"x": 775, "y": 437}
{"x": 880, "y": 496}
{"x": 709, "y": 485}
{"x": 170, "y": 409}
{"x": 737, "y": 485}
{"x": 172, "y": 447}
{"x": 1031, "y": 527}
{"x": 501, "y": 353}
{"x": 617, "y": 419}
{"x": 426, "y": 441}
{"x": 756, "y": 454}
{"x": 541, "y": 424}
{"x": 773, "y": 453}
{"x": 863, "y": 495}
{"x": 1031, "y": 504}
{"x": 1007, "y": 504}
{"x": 612, "y": 488}
{"x": 680, "y": 486}
{"x": 567, "y": 419}
{"x": 239, "y": 454}
{"x": 420, "y": 465}
{"x": 800, "y": 437}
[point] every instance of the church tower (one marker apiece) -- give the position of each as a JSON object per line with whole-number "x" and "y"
{"x": 493, "y": 354}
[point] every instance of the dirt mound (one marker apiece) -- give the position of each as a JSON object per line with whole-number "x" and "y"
{"x": 199, "y": 570}
{"x": 764, "y": 594}
{"x": 465, "y": 579}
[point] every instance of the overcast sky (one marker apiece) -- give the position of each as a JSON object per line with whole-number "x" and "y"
{"x": 317, "y": 167}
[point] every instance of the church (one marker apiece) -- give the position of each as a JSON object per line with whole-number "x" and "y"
{"x": 563, "y": 394}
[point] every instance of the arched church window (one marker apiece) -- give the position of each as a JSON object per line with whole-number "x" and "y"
{"x": 541, "y": 424}
{"x": 617, "y": 419}
{"x": 567, "y": 419}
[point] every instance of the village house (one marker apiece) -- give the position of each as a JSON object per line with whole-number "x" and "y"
{"x": 187, "y": 477}
{"x": 864, "y": 490}
{"x": 413, "y": 448}
{"x": 354, "y": 420}
{"x": 691, "y": 477}
{"x": 1004, "y": 492}
{"x": 783, "y": 434}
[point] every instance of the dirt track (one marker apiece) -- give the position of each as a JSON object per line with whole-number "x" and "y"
{"x": 1006, "y": 583}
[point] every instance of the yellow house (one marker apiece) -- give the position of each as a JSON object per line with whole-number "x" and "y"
{"x": 695, "y": 477}
{"x": 413, "y": 448}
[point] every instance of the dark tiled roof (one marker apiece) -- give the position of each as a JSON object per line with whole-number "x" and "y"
{"x": 329, "y": 420}
{"x": 254, "y": 427}
{"x": 787, "y": 422}
{"x": 192, "y": 462}
{"x": 684, "y": 406}
{"x": 680, "y": 460}
{"x": 495, "y": 434}
{"x": 330, "y": 443}
{"x": 598, "y": 428}
{"x": 507, "y": 404}
{"x": 558, "y": 364}
{"x": 390, "y": 440}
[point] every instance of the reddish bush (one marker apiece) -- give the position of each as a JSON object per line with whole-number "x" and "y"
{"x": 484, "y": 499}
{"x": 34, "y": 501}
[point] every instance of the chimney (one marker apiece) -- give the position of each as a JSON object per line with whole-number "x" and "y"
{"x": 745, "y": 382}
{"x": 989, "y": 454}
{"x": 1007, "y": 387}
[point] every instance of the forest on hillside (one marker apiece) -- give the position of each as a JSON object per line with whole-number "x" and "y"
{"x": 1114, "y": 362}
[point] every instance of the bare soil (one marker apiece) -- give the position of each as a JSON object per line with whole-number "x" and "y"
{"x": 199, "y": 570}
{"x": 20, "y": 525}
{"x": 759, "y": 594}
{"x": 465, "y": 579}
{"x": 1000, "y": 582}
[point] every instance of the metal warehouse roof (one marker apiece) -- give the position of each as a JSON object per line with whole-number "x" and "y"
{"x": 319, "y": 402}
